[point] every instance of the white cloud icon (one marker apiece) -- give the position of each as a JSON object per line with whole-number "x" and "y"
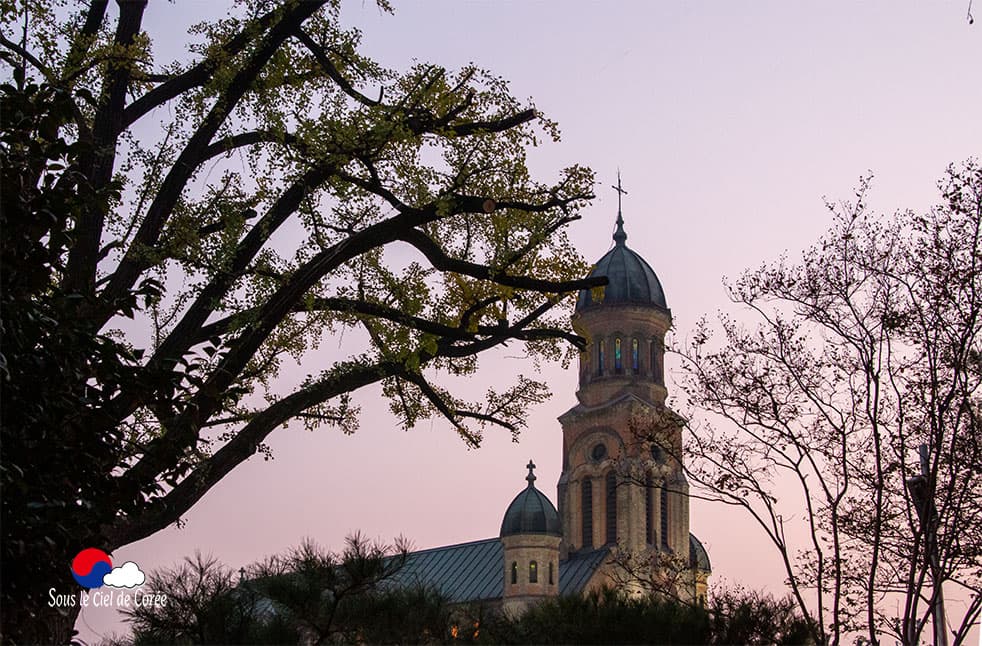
{"x": 128, "y": 575}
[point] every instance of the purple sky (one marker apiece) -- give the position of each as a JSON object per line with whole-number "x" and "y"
{"x": 729, "y": 121}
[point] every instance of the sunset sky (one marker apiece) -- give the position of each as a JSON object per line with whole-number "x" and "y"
{"x": 729, "y": 121}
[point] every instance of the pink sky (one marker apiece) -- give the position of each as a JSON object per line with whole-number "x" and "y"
{"x": 729, "y": 122}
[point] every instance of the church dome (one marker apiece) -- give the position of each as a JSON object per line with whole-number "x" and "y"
{"x": 531, "y": 512}
{"x": 632, "y": 280}
{"x": 698, "y": 558}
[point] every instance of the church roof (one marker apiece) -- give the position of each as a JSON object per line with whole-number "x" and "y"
{"x": 631, "y": 278}
{"x": 531, "y": 512}
{"x": 469, "y": 572}
{"x": 475, "y": 571}
{"x": 463, "y": 572}
{"x": 698, "y": 557}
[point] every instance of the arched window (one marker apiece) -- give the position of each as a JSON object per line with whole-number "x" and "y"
{"x": 533, "y": 572}
{"x": 598, "y": 452}
{"x": 551, "y": 578}
{"x": 514, "y": 572}
{"x": 657, "y": 454}
{"x": 657, "y": 370}
{"x": 601, "y": 351}
{"x": 635, "y": 358}
{"x": 618, "y": 361}
{"x": 587, "y": 512}
{"x": 611, "y": 508}
{"x": 664, "y": 517}
{"x": 649, "y": 510}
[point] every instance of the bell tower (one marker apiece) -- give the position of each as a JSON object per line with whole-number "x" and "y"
{"x": 622, "y": 484}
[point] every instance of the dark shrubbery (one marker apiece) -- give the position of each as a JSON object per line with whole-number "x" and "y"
{"x": 609, "y": 617}
{"x": 312, "y": 596}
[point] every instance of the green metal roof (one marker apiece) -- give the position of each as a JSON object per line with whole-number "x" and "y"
{"x": 575, "y": 572}
{"x": 475, "y": 571}
{"x": 698, "y": 557}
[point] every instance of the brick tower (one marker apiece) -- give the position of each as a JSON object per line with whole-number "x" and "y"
{"x": 622, "y": 484}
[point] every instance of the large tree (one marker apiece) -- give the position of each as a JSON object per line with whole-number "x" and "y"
{"x": 809, "y": 413}
{"x": 308, "y": 596}
{"x": 239, "y": 207}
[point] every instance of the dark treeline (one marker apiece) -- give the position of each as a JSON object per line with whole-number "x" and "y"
{"x": 311, "y": 596}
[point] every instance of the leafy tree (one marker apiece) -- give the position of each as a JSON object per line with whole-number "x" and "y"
{"x": 604, "y": 616}
{"x": 327, "y": 596}
{"x": 310, "y": 596}
{"x": 749, "y": 617}
{"x": 610, "y": 617}
{"x": 205, "y": 605}
{"x": 861, "y": 352}
{"x": 307, "y": 596}
{"x": 294, "y": 190}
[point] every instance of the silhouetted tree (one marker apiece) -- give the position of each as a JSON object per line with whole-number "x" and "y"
{"x": 295, "y": 189}
{"x": 610, "y": 617}
{"x": 204, "y": 605}
{"x": 868, "y": 347}
{"x": 308, "y": 596}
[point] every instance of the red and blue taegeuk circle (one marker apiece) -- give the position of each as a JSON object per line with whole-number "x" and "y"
{"x": 89, "y": 566}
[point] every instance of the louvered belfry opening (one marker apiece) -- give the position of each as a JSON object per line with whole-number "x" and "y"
{"x": 649, "y": 509}
{"x": 587, "y": 509}
{"x": 664, "y": 517}
{"x": 611, "y": 508}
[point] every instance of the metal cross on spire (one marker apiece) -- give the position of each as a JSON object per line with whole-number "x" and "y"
{"x": 620, "y": 191}
{"x": 531, "y": 476}
{"x": 619, "y": 235}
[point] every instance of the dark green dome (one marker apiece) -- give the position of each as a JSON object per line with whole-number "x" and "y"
{"x": 531, "y": 512}
{"x": 698, "y": 557}
{"x": 632, "y": 280}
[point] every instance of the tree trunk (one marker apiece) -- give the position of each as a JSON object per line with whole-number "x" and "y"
{"x": 36, "y": 622}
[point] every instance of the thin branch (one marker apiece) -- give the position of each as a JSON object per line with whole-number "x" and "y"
{"x": 322, "y": 59}
{"x": 441, "y": 261}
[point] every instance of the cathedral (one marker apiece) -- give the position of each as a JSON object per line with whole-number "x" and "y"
{"x": 623, "y": 506}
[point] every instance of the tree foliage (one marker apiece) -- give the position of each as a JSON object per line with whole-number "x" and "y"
{"x": 811, "y": 416}
{"x": 175, "y": 234}
{"x": 315, "y": 597}
{"x": 306, "y": 596}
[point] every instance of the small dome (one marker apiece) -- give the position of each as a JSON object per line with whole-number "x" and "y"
{"x": 698, "y": 558}
{"x": 531, "y": 512}
{"x": 632, "y": 280}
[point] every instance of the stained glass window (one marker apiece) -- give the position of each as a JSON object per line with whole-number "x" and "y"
{"x": 600, "y": 359}
{"x": 533, "y": 572}
{"x": 635, "y": 359}
{"x": 514, "y": 572}
{"x": 618, "y": 365}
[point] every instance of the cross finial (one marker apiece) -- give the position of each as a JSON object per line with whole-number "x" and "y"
{"x": 531, "y": 476}
{"x": 620, "y": 191}
{"x": 619, "y": 235}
